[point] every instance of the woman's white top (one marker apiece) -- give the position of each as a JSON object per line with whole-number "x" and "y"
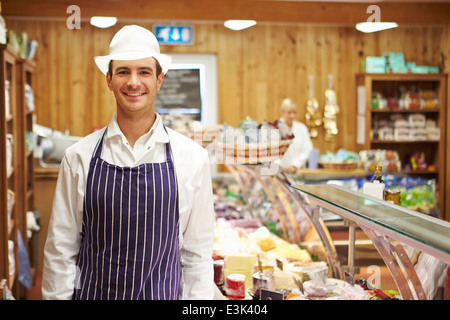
{"x": 298, "y": 152}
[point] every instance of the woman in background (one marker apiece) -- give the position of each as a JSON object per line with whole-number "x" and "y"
{"x": 298, "y": 152}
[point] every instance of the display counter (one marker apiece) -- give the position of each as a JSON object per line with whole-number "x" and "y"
{"x": 399, "y": 234}
{"x": 415, "y": 247}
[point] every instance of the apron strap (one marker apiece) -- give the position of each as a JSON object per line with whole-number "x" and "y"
{"x": 98, "y": 147}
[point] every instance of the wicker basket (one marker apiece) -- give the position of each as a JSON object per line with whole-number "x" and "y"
{"x": 252, "y": 153}
{"x": 339, "y": 165}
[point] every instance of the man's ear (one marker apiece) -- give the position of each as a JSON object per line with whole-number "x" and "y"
{"x": 160, "y": 79}
{"x": 108, "y": 80}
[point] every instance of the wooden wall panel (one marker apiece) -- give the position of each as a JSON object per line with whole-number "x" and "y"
{"x": 333, "y": 11}
{"x": 257, "y": 68}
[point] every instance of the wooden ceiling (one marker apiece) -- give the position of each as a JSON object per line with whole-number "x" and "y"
{"x": 271, "y": 11}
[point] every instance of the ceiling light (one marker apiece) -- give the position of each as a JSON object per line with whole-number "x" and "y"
{"x": 239, "y": 24}
{"x": 103, "y": 22}
{"x": 368, "y": 27}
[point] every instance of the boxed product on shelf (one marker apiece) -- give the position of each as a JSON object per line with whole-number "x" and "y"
{"x": 418, "y": 134}
{"x": 433, "y": 133}
{"x": 430, "y": 123}
{"x": 417, "y": 120}
{"x": 413, "y": 127}
{"x": 388, "y": 159}
{"x": 386, "y": 133}
{"x": 400, "y": 122}
{"x": 402, "y": 134}
{"x": 397, "y": 62}
{"x": 375, "y": 64}
{"x": 425, "y": 69}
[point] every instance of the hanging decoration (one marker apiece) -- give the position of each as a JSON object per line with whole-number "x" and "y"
{"x": 331, "y": 110}
{"x": 313, "y": 115}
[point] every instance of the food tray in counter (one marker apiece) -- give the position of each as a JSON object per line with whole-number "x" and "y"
{"x": 251, "y": 153}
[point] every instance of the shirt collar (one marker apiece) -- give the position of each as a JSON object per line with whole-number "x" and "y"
{"x": 156, "y": 134}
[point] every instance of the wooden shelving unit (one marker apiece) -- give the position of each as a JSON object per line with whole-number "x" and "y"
{"x": 9, "y": 169}
{"x": 25, "y": 69}
{"x": 16, "y": 170}
{"x": 368, "y": 117}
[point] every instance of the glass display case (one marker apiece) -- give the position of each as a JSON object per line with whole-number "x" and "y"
{"x": 297, "y": 222}
{"x": 415, "y": 247}
{"x": 399, "y": 235}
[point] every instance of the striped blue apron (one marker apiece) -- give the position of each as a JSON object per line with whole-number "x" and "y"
{"x": 129, "y": 248}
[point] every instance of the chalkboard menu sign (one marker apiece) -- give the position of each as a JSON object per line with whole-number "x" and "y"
{"x": 180, "y": 90}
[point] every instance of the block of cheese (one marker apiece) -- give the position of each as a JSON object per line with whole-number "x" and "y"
{"x": 241, "y": 264}
{"x": 314, "y": 270}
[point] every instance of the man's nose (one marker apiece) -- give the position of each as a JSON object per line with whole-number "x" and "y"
{"x": 133, "y": 80}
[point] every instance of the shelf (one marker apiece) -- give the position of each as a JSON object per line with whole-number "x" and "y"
{"x": 19, "y": 179}
{"x": 405, "y": 141}
{"x": 437, "y": 110}
{"x": 414, "y": 77}
{"x": 371, "y": 119}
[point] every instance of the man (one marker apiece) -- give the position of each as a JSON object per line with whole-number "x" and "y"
{"x": 133, "y": 212}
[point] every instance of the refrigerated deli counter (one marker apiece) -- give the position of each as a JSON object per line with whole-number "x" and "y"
{"x": 277, "y": 245}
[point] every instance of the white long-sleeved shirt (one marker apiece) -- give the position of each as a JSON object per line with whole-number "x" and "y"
{"x": 298, "y": 152}
{"x": 196, "y": 208}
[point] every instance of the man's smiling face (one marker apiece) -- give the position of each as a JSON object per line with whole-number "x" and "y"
{"x": 135, "y": 84}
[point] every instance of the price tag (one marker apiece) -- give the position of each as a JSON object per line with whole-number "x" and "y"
{"x": 270, "y": 295}
{"x": 349, "y": 278}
